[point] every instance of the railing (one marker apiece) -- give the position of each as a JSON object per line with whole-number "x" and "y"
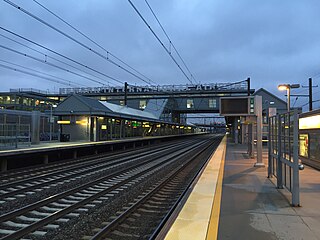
{"x": 12, "y": 135}
{"x": 283, "y": 152}
{"x": 28, "y": 90}
{"x": 163, "y": 88}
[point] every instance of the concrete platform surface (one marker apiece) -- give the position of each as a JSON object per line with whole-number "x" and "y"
{"x": 252, "y": 207}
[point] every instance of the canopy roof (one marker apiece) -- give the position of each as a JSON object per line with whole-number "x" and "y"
{"x": 80, "y": 105}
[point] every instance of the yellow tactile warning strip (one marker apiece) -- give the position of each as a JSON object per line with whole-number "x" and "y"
{"x": 212, "y": 232}
{"x": 193, "y": 220}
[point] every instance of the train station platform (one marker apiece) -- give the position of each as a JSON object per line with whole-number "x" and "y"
{"x": 235, "y": 200}
{"x": 45, "y": 152}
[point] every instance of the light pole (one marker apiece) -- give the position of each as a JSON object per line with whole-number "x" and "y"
{"x": 288, "y": 87}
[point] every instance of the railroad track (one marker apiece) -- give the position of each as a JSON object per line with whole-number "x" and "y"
{"x": 29, "y": 172}
{"x": 37, "y": 219}
{"x": 35, "y": 183}
{"x": 144, "y": 218}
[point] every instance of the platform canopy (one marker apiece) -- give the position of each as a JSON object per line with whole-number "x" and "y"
{"x": 80, "y": 105}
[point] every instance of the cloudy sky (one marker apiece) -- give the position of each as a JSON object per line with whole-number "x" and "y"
{"x": 271, "y": 42}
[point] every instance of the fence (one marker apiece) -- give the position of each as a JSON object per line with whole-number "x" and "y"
{"x": 283, "y": 152}
{"x": 12, "y": 135}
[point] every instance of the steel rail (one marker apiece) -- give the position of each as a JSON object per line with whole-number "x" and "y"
{"x": 53, "y": 166}
{"x": 91, "y": 164}
{"x": 24, "y": 231}
{"x": 107, "y": 229}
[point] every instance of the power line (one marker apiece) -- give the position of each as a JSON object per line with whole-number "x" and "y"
{"x": 17, "y": 65}
{"x": 170, "y": 42}
{"x": 94, "y": 42}
{"x": 47, "y": 56}
{"x": 73, "y": 39}
{"x": 48, "y": 63}
{"x": 36, "y": 75}
{"x": 159, "y": 40}
{"x": 61, "y": 55}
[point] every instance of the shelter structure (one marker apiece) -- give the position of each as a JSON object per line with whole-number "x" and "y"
{"x": 87, "y": 119}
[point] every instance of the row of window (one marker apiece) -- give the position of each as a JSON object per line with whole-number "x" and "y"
{"x": 190, "y": 103}
{"x": 25, "y": 101}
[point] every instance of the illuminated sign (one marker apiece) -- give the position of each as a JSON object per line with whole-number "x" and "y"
{"x": 63, "y": 122}
{"x": 309, "y": 122}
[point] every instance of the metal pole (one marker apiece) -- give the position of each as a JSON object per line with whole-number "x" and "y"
{"x": 258, "y": 112}
{"x": 279, "y": 153}
{"x": 125, "y": 93}
{"x": 50, "y": 123}
{"x": 248, "y": 84}
{"x": 270, "y": 144}
{"x": 288, "y": 93}
{"x": 295, "y": 189}
{"x": 310, "y": 94}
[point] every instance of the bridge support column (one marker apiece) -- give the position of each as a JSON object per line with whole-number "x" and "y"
{"x": 258, "y": 110}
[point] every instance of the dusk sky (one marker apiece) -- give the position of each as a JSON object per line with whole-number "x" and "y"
{"x": 271, "y": 42}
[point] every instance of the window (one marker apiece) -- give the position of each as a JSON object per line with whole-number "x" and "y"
{"x": 143, "y": 104}
{"x": 303, "y": 145}
{"x": 314, "y": 146}
{"x": 189, "y": 103}
{"x": 212, "y": 103}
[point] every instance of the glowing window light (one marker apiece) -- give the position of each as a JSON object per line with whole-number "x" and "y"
{"x": 104, "y": 127}
{"x": 81, "y": 122}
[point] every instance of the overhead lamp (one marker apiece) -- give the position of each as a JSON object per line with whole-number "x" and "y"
{"x": 288, "y": 87}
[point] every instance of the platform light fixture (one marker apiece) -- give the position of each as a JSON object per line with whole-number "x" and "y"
{"x": 288, "y": 87}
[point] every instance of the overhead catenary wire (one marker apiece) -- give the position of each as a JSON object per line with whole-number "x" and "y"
{"x": 94, "y": 42}
{"x": 49, "y": 75}
{"x": 73, "y": 39}
{"x": 60, "y": 55}
{"x": 159, "y": 40}
{"x": 36, "y": 75}
{"x": 170, "y": 42}
{"x": 48, "y": 63}
{"x": 56, "y": 59}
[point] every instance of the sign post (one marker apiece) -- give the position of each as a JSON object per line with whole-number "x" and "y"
{"x": 250, "y": 106}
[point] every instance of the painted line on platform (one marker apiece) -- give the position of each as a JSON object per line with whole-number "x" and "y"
{"x": 213, "y": 227}
{"x": 194, "y": 218}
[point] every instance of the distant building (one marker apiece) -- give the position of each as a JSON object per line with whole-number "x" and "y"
{"x": 27, "y": 100}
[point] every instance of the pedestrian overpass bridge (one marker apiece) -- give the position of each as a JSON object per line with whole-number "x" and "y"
{"x": 172, "y": 100}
